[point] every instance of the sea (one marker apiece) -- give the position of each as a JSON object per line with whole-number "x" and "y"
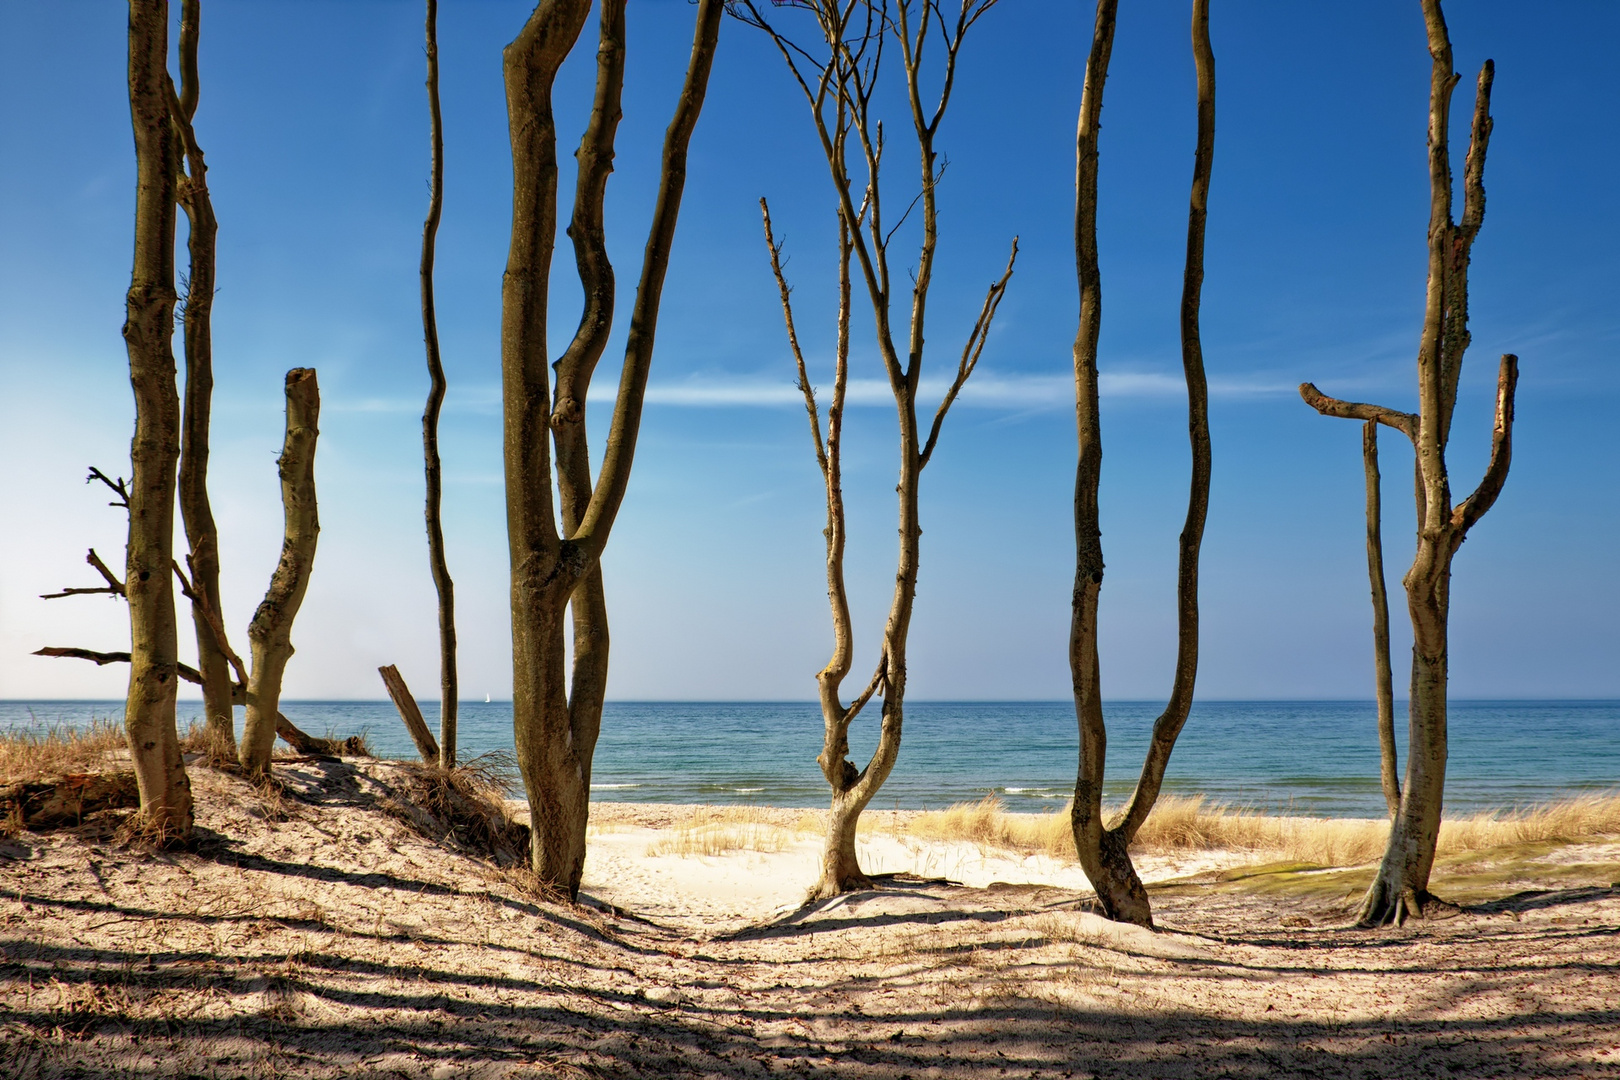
{"x": 1317, "y": 758}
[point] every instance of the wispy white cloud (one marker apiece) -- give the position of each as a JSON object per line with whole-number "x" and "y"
{"x": 983, "y": 390}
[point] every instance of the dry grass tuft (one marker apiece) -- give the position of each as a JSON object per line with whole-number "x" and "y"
{"x": 271, "y": 800}
{"x": 35, "y": 756}
{"x": 718, "y": 839}
{"x": 214, "y": 750}
{"x": 1180, "y": 824}
{"x": 986, "y": 822}
{"x": 719, "y": 830}
{"x": 464, "y": 806}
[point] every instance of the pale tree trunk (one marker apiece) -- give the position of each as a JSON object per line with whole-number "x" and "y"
{"x": 149, "y": 722}
{"x": 839, "y": 93}
{"x": 1104, "y": 850}
{"x": 1383, "y": 673}
{"x": 201, "y": 534}
{"x": 270, "y": 632}
{"x": 1401, "y": 888}
{"x": 430, "y": 416}
{"x": 555, "y": 737}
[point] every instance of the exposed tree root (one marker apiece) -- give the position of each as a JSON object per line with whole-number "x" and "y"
{"x": 1387, "y": 906}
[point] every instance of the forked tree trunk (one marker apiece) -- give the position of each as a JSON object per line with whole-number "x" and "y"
{"x": 430, "y": 416}
{"x": 1383, "y": 674}
{"x": 149, "y": 723}
{"x": 1401, "y": 888}
{"x": 844, "y": 87}
{"x": 270, "y": 632}
{"x": 201, "y": 534}
{"x": 555, "y": 737}
{"x": 1104, "y": 850}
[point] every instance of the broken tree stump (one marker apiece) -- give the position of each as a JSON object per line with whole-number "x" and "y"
{"x": 410, "y": 713}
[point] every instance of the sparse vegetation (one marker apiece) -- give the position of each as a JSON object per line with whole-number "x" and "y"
{"x": 720, "y": 830}
{"x": 1193, "y": 824}
{"x": 464, "y": 807}
{"x": 33, "y": 756}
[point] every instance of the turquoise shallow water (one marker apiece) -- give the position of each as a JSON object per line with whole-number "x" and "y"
{"x": 1305, "y": 757}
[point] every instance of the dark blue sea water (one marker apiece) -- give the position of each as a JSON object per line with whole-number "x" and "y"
{"x": 1303, "y": 757}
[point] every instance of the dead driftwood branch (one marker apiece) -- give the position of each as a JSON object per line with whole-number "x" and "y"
{"x": 64, "y": 800}
{"x": 410, "y": 713}
{"x": 290, "y": 733}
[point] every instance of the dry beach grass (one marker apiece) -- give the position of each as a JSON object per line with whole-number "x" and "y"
{"x": 334, "y": 939}
{"x": 1191, "y": 824}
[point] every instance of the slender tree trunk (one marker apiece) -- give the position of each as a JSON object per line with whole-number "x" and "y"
{"x": 1103, "y": 850}
{"x": 555, "y": 738}
{"x": 1380, "y": 601}
{"x": 195, "y": 509}
{"x": 540, "y": 580}
{"x": 588, "y": 605}
{"x": 1401, "y": 888}
{"x": 430, "y": 416}
{"x": 843, "y": 89}
{"x": 270, "y": 632}
{"x": 149, "y": 721}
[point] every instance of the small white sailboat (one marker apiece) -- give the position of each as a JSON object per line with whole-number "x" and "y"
{"x": 486, "y": 697}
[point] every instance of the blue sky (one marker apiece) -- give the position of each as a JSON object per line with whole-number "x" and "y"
{"x": 313, "y": 117}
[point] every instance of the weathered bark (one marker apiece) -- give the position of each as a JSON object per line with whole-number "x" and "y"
{"x": 1401, "y": 888}
{"x": 448, "y": 693}
{"x": 844, "y": 85}
{"x": 411, "y": 714}
{"x": 554, "y": 741}
{"x": 1103, "y": 850}
{"x": 195, "y": 510}
{"x": 270, "y": 632}
{"x": 149, "y": 720}
{"x": 1383, "y": 674}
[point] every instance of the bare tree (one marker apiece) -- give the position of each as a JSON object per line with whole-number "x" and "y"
{"x": 289, "y": 732}
{"x": 1383, "y": 677}
{"x": 149, "y": 721}
{"x": 840, "y": 91}
{"x": 556, "y": 718}
{"x": 1103, "y": 848}
{"x": 201, "y": 533}
{"x": 270, "y": 632}
{"x": 1401, "y": 888}
{"x": 430, "y": 416}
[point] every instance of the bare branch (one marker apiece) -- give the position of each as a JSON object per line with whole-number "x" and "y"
{"x": 970, "y": 353}
{"x": 1473, "y": 508}
{"x": 119, "y": 487}
{"x": 859, "y": 703}
{"x": 1478, "y": 142}
{"x": 618, "y": 454}
{"x": 215, "y": 623}
{"x": 114, "y": 587}
{"x": 793, "y": 337}
{"x": 1405, "y": 423}
{"x": 101, "y": 659}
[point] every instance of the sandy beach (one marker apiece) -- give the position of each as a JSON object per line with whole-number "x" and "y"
{"x": 318, "y": 936}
